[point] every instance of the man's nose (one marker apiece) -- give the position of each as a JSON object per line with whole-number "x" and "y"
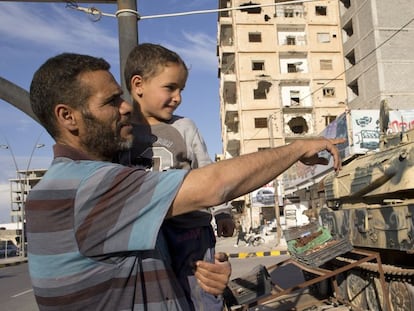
{"x": 125, "y": 107}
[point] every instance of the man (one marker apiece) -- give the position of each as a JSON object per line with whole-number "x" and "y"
{"x": 93, "y": 225}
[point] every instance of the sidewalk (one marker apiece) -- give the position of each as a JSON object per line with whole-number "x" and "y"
{"x": 269, "y": 248}
{"x": 226, "y": 245}
{"x": 11, "y": 261}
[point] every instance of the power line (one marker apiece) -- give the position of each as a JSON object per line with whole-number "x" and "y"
{"x": 363, "y": 58}
{"x": 97, "y": 13}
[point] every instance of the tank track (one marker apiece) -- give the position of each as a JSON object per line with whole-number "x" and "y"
{"x": 362, "y": 286}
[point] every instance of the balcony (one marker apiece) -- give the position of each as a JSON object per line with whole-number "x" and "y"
{"x": 289, "y": 43}
{"x": 231, "y": 119}
{"x": 228, "y": 63}
{"x": 290, "y": 13}
{"x": 233, "y": 147}
{"x": 226, "y": 35}
{"x": 229, "y": 93}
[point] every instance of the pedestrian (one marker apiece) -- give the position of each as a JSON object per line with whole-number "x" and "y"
{"x": 241, "y": 234}
{"x": 92, "y": 225}
{"x": 155, "y": 77}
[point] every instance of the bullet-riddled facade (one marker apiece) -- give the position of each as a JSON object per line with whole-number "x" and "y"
{"x": 378, "y": 38}
{"x": 281, "y": 71}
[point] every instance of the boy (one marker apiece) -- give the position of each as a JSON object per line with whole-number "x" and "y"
{"x": 155, "y": 77}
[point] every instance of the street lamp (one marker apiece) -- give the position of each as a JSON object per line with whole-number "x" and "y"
{"x": 276, "y": 183}
{"x": 22, "y": 184}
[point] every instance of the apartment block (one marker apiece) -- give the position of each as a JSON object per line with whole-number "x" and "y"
{"x": 20, "y": 188}
{"x": 378, "y": 46}
{"x": 281, "y": 71}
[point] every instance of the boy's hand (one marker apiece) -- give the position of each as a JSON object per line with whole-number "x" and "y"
{"x": 213, "y": 277}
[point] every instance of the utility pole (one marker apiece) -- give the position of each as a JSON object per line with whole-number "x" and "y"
{"x": 128, "y": 35}
{"x": 276, "y": 183}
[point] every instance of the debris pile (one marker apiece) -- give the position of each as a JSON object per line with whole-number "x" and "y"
{"x": 314, "y": 245}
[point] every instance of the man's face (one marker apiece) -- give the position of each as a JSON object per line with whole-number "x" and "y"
{"x": 161, "y": 94}
{"x": 106, "y": 127}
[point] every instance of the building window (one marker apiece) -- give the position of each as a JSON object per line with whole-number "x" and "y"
{"x": 346, "y": 3}
{"x": 256, "y": 10}
{"x": 353, "y": 86}
{"x": 350, "y": 57}
{"x": 290, "y": 40}
{"x": 260, "y": 123}
{"x": 326, "y": 64}
{"x": 348, "y": 28}
{"x": 329, "y": 119}
{"x": 294, "y": 98}
{"x": 320, "y": 10}
{"x": 255, "y": 37}
{"x": 288, "y": 12}
{"x": 292, "y": 68}
{"x": 257, "y": 65}
{"x": 224, "y": 4}
{"x": 227, "y": 63}
{"x": 324, "y": 37}
{"x": 328, "y": 92}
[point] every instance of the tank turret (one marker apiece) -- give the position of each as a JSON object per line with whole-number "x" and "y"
{"x": 371, "y": 202}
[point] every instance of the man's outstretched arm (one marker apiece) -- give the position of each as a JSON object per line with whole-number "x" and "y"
{"x": 225, "y": 180}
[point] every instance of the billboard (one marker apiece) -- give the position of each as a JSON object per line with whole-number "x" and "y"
{"x": 361, "y": 128}
{"x": 264, "y": 196}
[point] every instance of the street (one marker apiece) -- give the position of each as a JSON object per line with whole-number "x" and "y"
{"x": 243, "y": 258}
{"x": 16, "y": 292}
{"x": 15, "y": 289}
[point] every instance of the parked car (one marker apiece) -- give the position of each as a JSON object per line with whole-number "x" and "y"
{"x": 265, "y": 196}
{"x": 8, "y": 249}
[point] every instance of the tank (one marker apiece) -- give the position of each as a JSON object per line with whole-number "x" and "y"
{"x": 371, "y": 202}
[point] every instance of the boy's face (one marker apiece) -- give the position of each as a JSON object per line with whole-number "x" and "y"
{"x": 159, "y": 96}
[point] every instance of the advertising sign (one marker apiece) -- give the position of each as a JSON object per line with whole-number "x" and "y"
{"x": 362, "y": 137}
{"x": 264, "y": 196}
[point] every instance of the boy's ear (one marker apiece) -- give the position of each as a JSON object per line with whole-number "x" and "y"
{"x": 136, "y": 85}
{"x": 66, "y": 117}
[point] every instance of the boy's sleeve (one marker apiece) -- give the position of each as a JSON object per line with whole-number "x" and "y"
{"x": 199, "y": 148}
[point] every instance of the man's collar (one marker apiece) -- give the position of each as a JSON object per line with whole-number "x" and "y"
{"x": 66, "y": 151}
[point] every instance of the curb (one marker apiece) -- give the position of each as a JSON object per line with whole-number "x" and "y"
{"x": 256, "y": 254}
{"x": 8, "y": 263}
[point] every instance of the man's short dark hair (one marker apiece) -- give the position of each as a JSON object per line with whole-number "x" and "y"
{"x": 57, "y": 82}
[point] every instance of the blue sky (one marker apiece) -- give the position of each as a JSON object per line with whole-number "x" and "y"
{"x": 32, "y": 32}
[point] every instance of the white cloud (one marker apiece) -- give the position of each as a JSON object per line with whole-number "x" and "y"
{"x": 198, "y": 51}
{"x": 56, "y": 28}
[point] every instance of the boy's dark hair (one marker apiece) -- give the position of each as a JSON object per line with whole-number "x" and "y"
{"x": 146, "y": 59}
{"x": 57, "y": 81}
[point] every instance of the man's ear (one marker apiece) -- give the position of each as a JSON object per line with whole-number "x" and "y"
{"x": 66, "y": 117}
{"x": 136, "y": 85}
